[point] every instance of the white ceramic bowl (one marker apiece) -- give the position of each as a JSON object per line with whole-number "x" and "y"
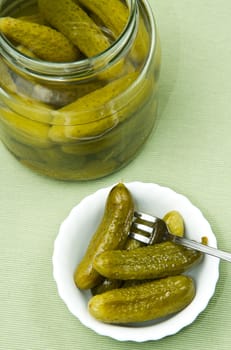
{"x": 76, "y": 231}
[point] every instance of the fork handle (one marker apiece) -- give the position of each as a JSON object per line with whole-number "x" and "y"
{"x": 202, "y": 248}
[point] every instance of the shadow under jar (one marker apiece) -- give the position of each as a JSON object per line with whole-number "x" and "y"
{"x": 86, "y": 117}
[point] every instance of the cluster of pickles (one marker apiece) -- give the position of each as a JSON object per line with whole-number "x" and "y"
{"x": 131, "y": 282}
{"x": 85, "y": 129}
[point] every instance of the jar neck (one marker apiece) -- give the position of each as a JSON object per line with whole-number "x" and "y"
{"x": 78, "y": 70}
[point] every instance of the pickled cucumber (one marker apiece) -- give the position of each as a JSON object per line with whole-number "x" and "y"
{"x": 115, "y": 14}
{"x": 87, "y": 109}
{"x": 94, "y": 115}
{"x": 69, "y": 18}
{"x": 111, "y": 233}
{"x": 28, "y": 108}
{"x": 24, "y": 130}
{"x": 69, "y": 134}
{"x": 120, "y": 142}
{"x": 143, "y": 302}
{"x": 174, "y": 222}
{"x": 45, "y": 42}
{"x": 150, "y": 262}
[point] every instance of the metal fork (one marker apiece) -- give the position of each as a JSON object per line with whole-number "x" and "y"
{"x": 151, "y": 229}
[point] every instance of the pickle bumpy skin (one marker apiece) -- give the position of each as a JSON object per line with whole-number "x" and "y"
{"x": 150, "y": 262}
{"x": 69, "y": 18}
{"x": 110, "y": 234}
{"x": 114, "y": 14}
{"x": 143, "y": 302}
{"x": 45, "y": 42}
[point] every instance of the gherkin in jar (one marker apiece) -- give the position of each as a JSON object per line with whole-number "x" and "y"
{"x": 46, "y": 106}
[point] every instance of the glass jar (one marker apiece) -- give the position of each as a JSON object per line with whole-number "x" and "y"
{"x": 83, "y": 119}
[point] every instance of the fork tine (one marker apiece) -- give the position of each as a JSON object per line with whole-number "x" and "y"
{"x": 143, "y": 228}
{"x": 145, "y": 217}
{"x": 139, "y": 237}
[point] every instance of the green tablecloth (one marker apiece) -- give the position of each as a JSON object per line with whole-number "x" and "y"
{"x": 189, "y": 151}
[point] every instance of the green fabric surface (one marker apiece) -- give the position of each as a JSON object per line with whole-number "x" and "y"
{"x": 189, "y": 150}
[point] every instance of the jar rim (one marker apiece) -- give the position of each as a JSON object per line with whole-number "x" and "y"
{"x": 87, "y": 67}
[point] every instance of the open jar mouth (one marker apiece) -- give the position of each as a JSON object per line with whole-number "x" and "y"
{"x": 68, "y": 71}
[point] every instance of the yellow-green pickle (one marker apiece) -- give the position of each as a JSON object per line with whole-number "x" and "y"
{"x": 143, "y": 302}
{"x": 112, "y": 234}
{"x": 78, "y": 84}
{"x": 156, "y": 261}
{"x": 129, "y": 281}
